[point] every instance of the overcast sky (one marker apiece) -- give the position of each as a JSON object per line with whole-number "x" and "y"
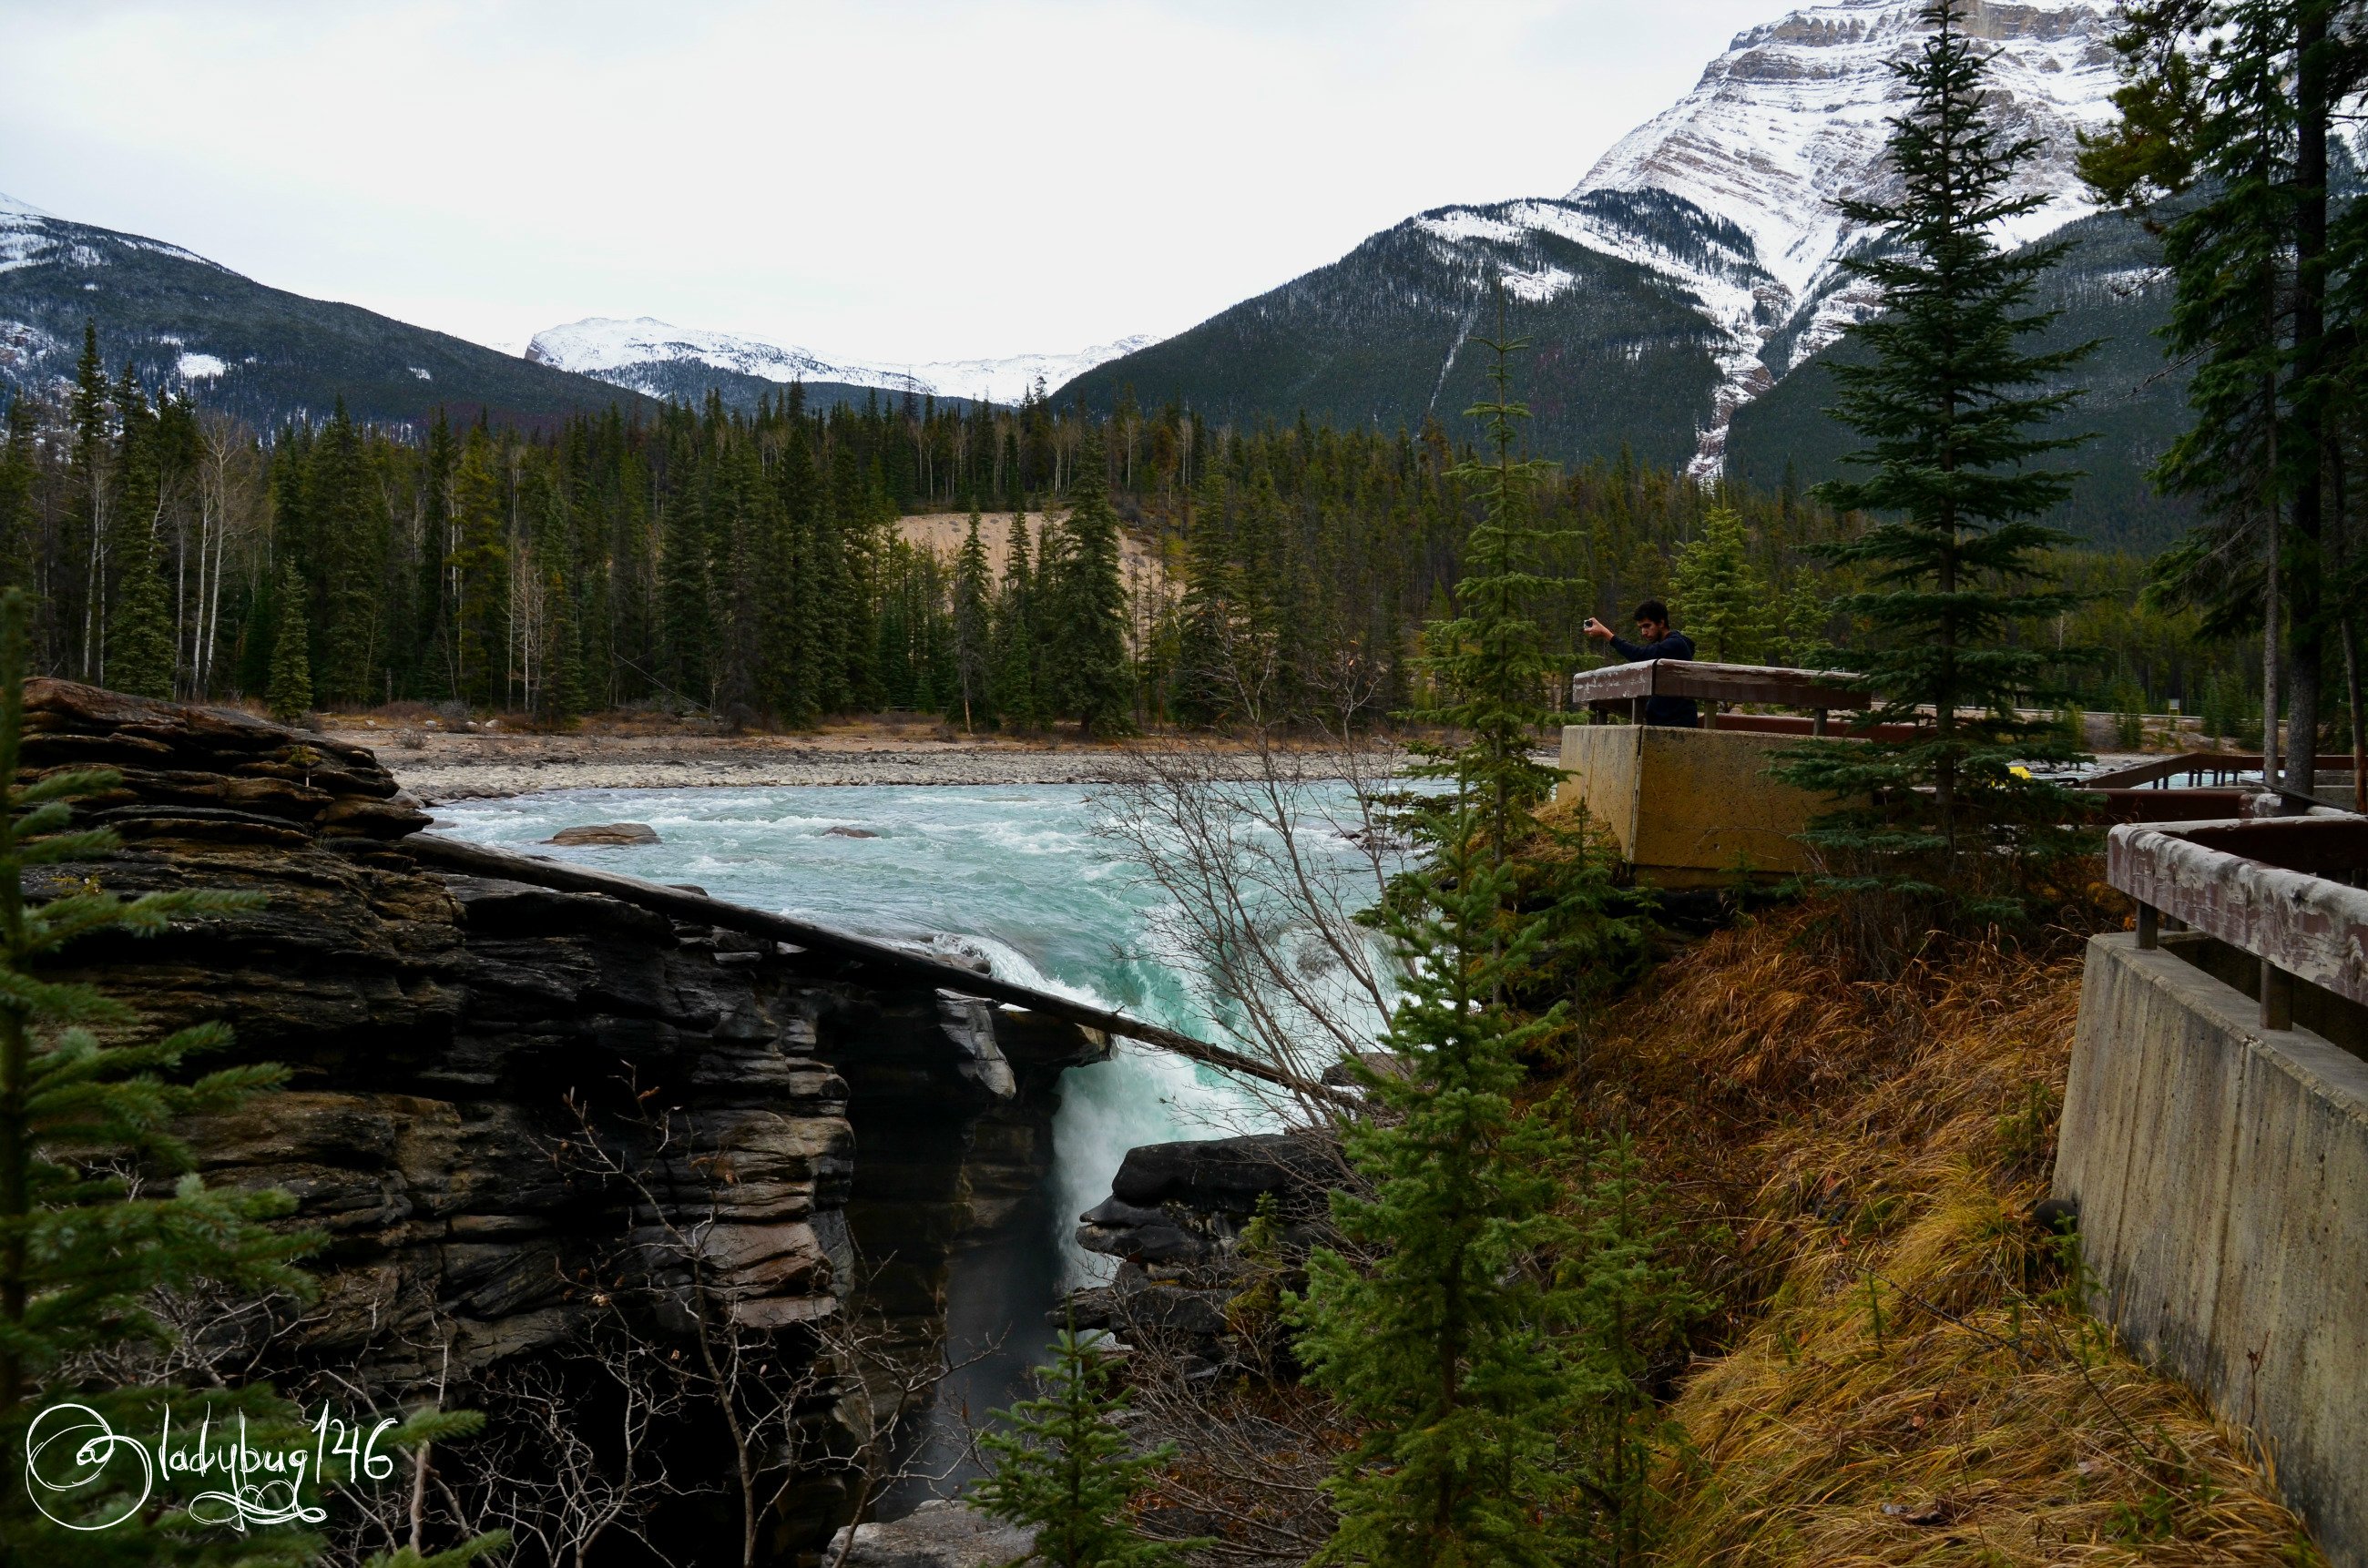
{"x": 886, "y": 181}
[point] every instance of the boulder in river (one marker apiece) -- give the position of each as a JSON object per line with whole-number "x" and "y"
{"x": 848, "y": 833}
{"x": 606, "y": 833}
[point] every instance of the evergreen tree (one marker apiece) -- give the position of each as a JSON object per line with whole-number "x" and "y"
{"x": 1721, "y": 594}
{"x": 971, "y": 615}
{"x": 140, "y": 657}
{"x": 1211, "y": 643}
{"x": 289, "y": 696}
{"x": 1951, "y": 408}
{"x": 1092, "y": 674}
{"x": 139, "y": 653}
{"x": 1064, "y": 1467}
{"x": 81, "y": 1257}
{"x": 562, "y": 686}
{"x": 1013, "y": 682}
{"x": 2225, "y": 109}
{"x": 17, "y": 471}
{"x": 477, "y": 563}
{"x": 1459, "y": 1346}
{"x": 346, "y": 553}
{"x": 94, "y": 456}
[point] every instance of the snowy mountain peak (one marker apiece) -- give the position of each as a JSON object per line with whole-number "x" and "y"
{"x": 12, "y": 207}
{"x": 625, "y": 352}
{"x": 1792, "y": 118}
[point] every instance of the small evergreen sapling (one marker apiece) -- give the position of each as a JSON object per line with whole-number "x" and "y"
{"x": 1066, "y": 1469}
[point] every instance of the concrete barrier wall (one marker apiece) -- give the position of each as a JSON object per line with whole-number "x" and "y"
{"x": 2222, "y": 1176}
{"x": 1689, "y": 806}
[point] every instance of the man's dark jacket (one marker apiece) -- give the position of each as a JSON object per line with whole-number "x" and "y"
{"x": 1675, "y": 711}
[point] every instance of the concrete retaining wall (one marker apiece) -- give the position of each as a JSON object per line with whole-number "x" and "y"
{"x": 1689, "y": 807}
{"x": 2222, "y": 1176}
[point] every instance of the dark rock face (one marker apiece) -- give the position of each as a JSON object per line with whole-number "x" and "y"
{"x": 1176, "y": 1219}
{"x": 458, "y": 1043}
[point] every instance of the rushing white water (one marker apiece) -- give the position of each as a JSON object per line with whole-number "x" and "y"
{"x": 1017, "y": 871}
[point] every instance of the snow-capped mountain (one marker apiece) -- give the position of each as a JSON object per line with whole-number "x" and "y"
{"x": 648, "y": 356}
{"x": 1792, "y": 118}
{"x": 1726, "y": 200}
{"x": 187, "y": 323}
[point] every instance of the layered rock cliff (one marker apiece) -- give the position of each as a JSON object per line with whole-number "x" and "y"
{"x": 507, "y": 1103}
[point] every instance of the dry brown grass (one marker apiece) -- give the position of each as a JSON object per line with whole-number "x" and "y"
{"x": 1904, "y": 1382}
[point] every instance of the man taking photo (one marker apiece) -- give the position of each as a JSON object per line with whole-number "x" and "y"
{"x": 1654, "y": 641}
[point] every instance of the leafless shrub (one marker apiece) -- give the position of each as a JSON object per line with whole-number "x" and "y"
{"x": 1267, "y": 839}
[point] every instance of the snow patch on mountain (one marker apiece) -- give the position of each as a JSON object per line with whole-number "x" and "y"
{"x": 199, "y": 366}
{"x": 1709, "y": 260}
{"x": 622, "y": 352}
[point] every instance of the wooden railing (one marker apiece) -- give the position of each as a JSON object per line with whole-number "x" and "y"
{"x": 2278, "y": 889}
{"x": 1626, "y": 687}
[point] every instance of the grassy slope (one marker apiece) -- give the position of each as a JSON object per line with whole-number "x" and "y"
{"x": 1877, "y": 1148}
{"x": 2134, "y": 403}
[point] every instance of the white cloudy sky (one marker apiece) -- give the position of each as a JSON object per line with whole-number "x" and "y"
{"x": 893, "y": 181}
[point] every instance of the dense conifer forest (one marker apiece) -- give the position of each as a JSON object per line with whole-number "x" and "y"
{"x": 748, "y": 565}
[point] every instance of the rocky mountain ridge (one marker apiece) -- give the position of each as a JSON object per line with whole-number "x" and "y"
{"x": 649, "y": 356}
{"x": 193, "y": 326}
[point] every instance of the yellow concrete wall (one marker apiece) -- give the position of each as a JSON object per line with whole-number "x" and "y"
{"x": 1688, "y": 806}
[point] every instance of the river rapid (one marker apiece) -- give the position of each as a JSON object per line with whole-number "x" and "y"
{"x": 1016, "y": 872}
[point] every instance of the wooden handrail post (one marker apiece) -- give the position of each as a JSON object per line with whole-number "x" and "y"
{"x": 2277, "y": 997}
{"x": 2149, "y": 927}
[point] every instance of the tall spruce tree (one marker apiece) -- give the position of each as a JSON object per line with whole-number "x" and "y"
{"x": 2225, "y": 108}
{"x": 1952, "y": 408}
{"x": 1088, "y": 642}
{"x": 139, "y": 658}
{"x": 17, "y": 473}
{"x": 477, "y": 564}
{"x": 289, "y": 696}
{"x": 1013, "y": 681}
{"x": 94, "y": 469}
{"x": 1460, "y": 1346}
{"x": 1213, "y": 643}
{"x": 1721, "y": 593}
{"x": 972, "y": 606}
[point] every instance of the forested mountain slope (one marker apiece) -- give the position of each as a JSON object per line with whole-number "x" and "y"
{"x": 258, "y": 352}
{"x": 2108, "y": 290}
{"x": 1607, "y": 290}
